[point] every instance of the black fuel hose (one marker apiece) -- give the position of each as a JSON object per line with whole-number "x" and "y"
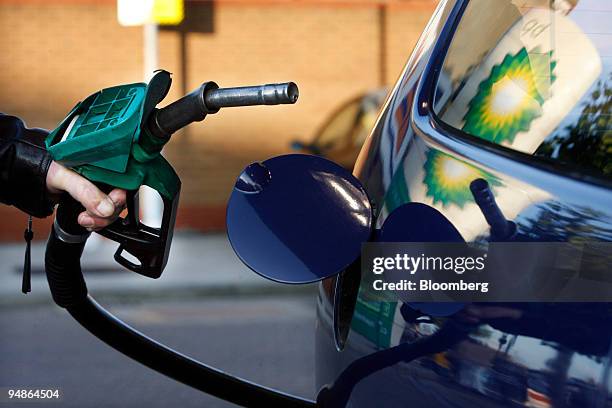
{"x": 62, "y": 262}
{"x": 68, "y": 288}
{"x": 339, "y": 393}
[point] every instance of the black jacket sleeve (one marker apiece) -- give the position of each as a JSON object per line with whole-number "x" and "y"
{"x": 24, "y": 163}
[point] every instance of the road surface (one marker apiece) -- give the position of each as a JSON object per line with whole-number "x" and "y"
{"x": 265, "y": 339}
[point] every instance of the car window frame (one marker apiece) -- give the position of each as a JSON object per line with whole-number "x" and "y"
{"x": 425, "y": 107}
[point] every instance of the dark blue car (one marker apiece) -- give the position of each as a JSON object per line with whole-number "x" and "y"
{"x": 518, "y": 93}
{"x": 499, "y": 129}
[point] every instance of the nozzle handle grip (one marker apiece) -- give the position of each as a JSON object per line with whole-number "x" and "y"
{"x": 190, "y": 108}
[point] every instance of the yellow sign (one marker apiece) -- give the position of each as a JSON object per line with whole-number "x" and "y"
{"x": 139, "y": 12}
{"x": 168, "y": 12}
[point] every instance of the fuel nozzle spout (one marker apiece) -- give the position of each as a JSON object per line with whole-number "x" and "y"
{"x": 208, "y": 98}
{"x": 501, "y": 228}
{"x": 270, "y": 94}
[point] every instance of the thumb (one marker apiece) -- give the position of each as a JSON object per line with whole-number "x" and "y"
{"x": 95, "y": 201}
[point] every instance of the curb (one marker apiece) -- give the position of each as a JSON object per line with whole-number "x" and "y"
{"x": 165, "y": 293}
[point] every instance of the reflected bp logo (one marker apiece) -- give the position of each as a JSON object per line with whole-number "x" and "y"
{"x": 448, "y": 179}
{"x": 511, "y": 97}
{"x": 506, "y": 103}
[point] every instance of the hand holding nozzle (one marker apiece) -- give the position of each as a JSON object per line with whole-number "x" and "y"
{"x": 120, "y": 158}
{"x": 209, "y": 98}
{"x": 100, "y": 208}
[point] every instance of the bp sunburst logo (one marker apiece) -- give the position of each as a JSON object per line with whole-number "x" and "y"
{"x": 511, "y": 97}
{"x": 448, "y": 179}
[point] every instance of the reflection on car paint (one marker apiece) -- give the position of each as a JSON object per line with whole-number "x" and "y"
{"x": 436, "y": 178}
{"x": 374, "y": 321}
{"x": 448, "y": 180}
{"x": 534, "y": 355}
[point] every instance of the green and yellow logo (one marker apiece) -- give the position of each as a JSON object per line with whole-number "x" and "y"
{"x": 511, "y": 97}
{"x": 448, "y": 179}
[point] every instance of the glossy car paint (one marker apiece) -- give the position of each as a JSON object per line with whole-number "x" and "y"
{"x": 519, "y": 354}
{"x": 288, "y": 217}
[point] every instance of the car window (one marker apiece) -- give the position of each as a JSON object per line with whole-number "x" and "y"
{"x": 534, "y": 76}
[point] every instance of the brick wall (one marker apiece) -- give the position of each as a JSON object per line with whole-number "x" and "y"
{"x": 54, "y": 53}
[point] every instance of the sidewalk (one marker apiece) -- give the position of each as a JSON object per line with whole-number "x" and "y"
{"x": 199, "y": 265}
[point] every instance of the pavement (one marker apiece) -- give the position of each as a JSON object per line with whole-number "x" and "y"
{"x": 206, "y": 304}
{"x": 268, "y": 340}
{"x": 199, "y": 265}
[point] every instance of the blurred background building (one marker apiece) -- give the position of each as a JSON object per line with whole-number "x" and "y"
{"x": 56, "y": 52}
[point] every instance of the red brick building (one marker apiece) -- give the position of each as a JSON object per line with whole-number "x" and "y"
{"x": 56, "y": 52}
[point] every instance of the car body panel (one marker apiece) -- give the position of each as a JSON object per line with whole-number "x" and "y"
{"x": 545, "y": 354}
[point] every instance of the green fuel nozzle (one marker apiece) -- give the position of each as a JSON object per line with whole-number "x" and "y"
{"x": 115, "y": 136}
